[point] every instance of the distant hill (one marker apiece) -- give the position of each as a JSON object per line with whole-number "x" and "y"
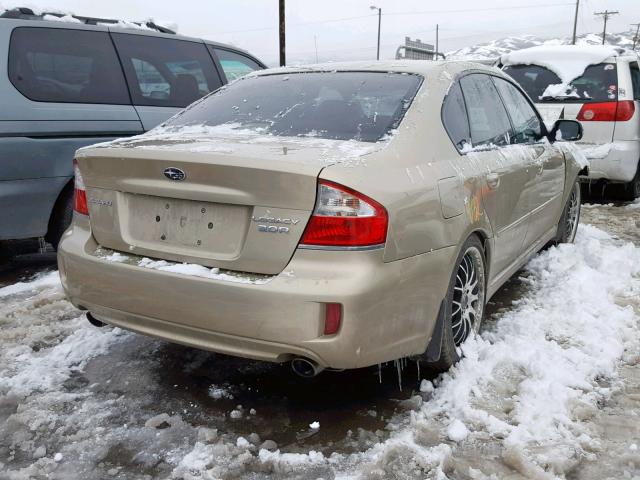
{"x": 496, "y": 48}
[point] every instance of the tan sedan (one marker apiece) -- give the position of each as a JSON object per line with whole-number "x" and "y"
{"x": 330, "y": 216}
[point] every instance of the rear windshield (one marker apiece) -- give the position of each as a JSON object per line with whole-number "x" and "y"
{"x": 361, "y": 106}
{"x": 598, "y": 83}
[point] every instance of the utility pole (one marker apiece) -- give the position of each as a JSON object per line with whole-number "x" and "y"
{"x": 605, "y": 15}
{"x": 635, "y": 37}
{"x": 373, "y": 7}
{"x": 283, "y": 59}
{"x": 315, "y": 42}
{"x": 437, "y": 38}
{"x": 575, "y": 23}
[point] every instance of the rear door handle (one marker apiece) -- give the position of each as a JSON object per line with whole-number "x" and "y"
{"x": 493, "y": 180}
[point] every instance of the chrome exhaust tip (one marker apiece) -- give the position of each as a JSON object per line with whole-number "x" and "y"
{"x": 94, "y": 321}
{"x": 305, "y": 368}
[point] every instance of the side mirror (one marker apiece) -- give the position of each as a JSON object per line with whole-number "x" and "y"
{"x": 566, "y": 130}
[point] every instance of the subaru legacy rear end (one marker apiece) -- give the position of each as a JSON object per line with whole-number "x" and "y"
{"x": 224, "y": 229}
{"x": 604, "y": 97}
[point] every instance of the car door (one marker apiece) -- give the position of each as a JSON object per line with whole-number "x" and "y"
{"x": 63, "y": 89}
{"x": 164, "y": 74}
{"x": 505, "y": 173}
{"x": 544, "y": 163}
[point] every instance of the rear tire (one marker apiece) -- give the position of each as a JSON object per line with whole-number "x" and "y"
{"x": 464, "y": 303}
{"x": 568, "y": 225}
{"x": 631, "y": 190}
{"x": 60, "y": 218}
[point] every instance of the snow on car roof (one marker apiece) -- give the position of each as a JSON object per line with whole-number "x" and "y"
{"x": 567, "y": 61}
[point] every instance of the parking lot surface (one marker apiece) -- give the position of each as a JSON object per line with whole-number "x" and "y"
{"x": 82, "y": 402}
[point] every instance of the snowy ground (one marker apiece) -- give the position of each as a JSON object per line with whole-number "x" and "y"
{"x": 550, "y": 389}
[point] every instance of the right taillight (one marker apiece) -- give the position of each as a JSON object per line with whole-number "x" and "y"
{"x": 621, "y": 111}
{"x": 345, "y": 218}
{"x": 79, "y": 192}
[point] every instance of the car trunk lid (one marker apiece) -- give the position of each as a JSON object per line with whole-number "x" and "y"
{"x": 240, "y": 206}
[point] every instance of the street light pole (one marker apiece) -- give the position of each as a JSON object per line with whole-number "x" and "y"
{"x": 373, "y": 7}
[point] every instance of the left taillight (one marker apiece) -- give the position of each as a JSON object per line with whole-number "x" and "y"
{"x": 344, "y": 218}
{"x": 79, "y": 193}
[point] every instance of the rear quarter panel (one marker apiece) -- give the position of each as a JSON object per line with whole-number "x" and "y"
{"x": 421, "y": 178}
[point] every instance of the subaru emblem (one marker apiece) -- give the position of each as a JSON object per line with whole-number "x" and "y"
{"x": 173, "y": 173}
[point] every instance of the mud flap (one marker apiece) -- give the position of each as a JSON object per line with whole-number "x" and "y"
{"x": 435, "y": 345}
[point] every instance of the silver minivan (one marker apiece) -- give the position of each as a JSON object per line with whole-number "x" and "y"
{"x": 605, "y": 99}
{"x": 71, "y": 81}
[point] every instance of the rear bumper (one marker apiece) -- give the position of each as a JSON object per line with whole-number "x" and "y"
{"x": 389, "y": 309}
{"x": 617, "y": 161}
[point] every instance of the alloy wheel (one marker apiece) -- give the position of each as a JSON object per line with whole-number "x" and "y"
{"x": 468, "y": 296}
{"x": 573, "y": 213}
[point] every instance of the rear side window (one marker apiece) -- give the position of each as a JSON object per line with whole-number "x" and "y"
{"x": 526, "y": 124}
{"x": 164, "y": 72}
{"x": 66, "y": 66}
{"x": 361, "y": 106}
{"x": 635, "y": 79}
{"x": 488, "y": 118}
{"x": 454, "y": 118}
{"x": 234, "y": 64}
{"x": 599, "y": 83}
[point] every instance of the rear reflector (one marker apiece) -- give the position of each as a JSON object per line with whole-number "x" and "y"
{"x": 333, "y": 318}
{"x": 345, "y": 218}
{"x": 607, "y": 111}
{"x": 79, "y": 192}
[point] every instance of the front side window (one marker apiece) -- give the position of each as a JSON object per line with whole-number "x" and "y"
{"x": 234, "y": 64}
{"x": 526, "y": 124}
{"x": 488, "y": 118}
{"x": 454, "y": 118}
{"x": 164, "y": 72}
{"x": 66, "y": 66}
{"x": 598, "y": 83}
{"x": 360, "y": 106}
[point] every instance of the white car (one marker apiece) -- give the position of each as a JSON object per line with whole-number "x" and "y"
{"x": 598, "y": 86}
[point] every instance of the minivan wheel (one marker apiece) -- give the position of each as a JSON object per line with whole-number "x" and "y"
{"x": 568, "y": 225}
{"x": 464, "y": 304}
{"x": 60, "y": 218}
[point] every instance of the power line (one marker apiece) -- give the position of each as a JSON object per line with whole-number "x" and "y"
{"x": 464, "y": 10}
{"x": 333, "y": 20}
{"x": 424, "y": 12}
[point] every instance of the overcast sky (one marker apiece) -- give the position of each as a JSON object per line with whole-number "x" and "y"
{"x": 347, "y": 29}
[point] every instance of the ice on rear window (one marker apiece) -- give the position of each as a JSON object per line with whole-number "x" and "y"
{"x": 564, "y": 72}
{"x": 361, "y": 106}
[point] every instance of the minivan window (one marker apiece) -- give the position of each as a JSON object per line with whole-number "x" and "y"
{"x": 454, "y": 118}
{"x": 165, "y": 72}
{"x": 361, "y": 106}
{"x": 234, "y": 64}
{"x": 526, "y": 123}
{"x": 598, "y": 83}
{"x": 488, "y": 118}
{"x": 66, "y": 66}
{"x": 635, "y": 79}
